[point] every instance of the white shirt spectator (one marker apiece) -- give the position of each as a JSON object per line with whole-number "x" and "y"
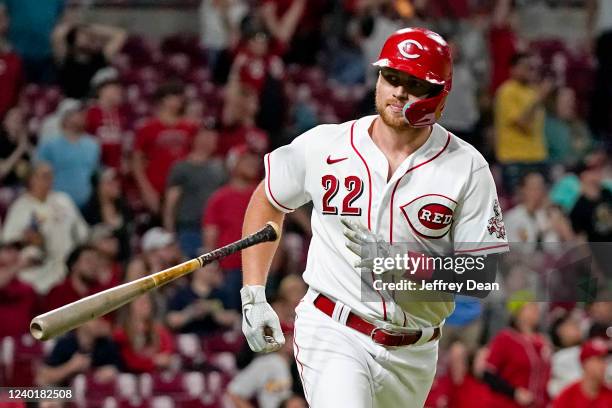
{"x": 565, "y": 369}
{"x": 62, "y": 227}
{"x": 215, "y": 33}
{"x": 267, "y": 377}
{"x": 528, "y": 229}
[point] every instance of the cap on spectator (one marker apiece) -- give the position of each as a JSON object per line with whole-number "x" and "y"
{"x": 594, "y": 348}
{"x": 235, "y": 153}
{"x": 105, "y": 76}
{"x": 156, "y": 238}
{"x": 519, "y": 299}
{"x": 67, "y": 106}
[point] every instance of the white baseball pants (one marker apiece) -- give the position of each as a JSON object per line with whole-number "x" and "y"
{"x": 341, "y": 367}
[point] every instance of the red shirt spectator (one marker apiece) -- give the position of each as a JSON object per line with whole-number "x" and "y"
{"x": 11, "y": 80}
{"x": 162, "y": 145}
{"x": 502, "y": 46}
{"x": 574, "y": 396}
{"x": 64, "y": 293}
{"x": 19, "y": 302}
{"x": 108, "y": 127}
{"x": 225, "y": 211}
{"x": 465, "y": 394}
{"x": 310, "y": 17}
{"x": 142, "y": 360}
{"x": 233, "y": 136}
{"x": 523, "y": 362}
{"x": 591, "y": 391}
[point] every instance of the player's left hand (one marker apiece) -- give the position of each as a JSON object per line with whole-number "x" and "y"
{"x": 364, "y": 243}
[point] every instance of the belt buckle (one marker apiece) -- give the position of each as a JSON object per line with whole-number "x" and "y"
{"x": 386, "y": 329}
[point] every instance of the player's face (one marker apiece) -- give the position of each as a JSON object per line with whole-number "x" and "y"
{"x": 393, "y": 90}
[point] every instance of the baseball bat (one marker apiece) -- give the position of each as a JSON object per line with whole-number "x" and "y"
{"x": 72, "y": 315}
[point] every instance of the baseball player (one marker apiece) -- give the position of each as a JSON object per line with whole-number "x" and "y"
{"x": 379, "y": 180}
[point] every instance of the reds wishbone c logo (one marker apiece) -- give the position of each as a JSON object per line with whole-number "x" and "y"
{"x": 408, "y": 45}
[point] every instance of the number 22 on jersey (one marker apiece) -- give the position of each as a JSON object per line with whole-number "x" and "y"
{"x": 352, "y": 190}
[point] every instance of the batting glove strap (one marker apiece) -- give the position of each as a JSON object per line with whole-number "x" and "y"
{"x": 252, "y": 294}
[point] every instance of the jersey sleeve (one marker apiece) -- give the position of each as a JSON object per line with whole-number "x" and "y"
{"x": 285, "y": 180}
{"x": 479, "y": 228}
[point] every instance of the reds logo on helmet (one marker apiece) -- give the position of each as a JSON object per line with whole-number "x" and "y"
{"x": 406, "y": 48}
{"x": 430, "y": 216}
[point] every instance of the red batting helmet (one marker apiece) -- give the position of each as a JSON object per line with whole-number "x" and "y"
{"x": 424, "y": 55}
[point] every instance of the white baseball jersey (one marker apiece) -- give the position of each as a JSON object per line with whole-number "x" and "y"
{"x": 442, "y": 197}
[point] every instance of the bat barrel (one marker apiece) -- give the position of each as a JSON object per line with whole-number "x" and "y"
{"x": 72, "y": 315}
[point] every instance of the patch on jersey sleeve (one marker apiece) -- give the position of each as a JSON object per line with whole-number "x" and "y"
{"x": 496, "y": 224}
{"x": 430, "y": 216}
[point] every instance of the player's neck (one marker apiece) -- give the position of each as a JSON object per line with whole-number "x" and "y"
{"x": 397, "y": 145}
{"x": 406, "y": 141}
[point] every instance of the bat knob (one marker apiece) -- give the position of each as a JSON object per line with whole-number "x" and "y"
{"x": 275, "y": 230}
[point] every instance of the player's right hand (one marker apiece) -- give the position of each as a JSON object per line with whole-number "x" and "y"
{"x": 257, "y": 317}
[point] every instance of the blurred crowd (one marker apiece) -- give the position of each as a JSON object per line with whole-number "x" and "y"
{"x": 121, "y": 156}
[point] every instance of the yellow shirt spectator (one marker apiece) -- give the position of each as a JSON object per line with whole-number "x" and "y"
{"x": 516, "y": 143}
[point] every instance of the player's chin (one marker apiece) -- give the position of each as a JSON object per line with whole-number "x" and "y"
{"x": 393, "y": 119}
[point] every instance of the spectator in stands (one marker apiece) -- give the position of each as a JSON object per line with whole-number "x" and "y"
{"x": 519, "y": 120}
{"x": 257, "y": 59}
{"x": 191, "y": 183}
{"x": 238, "y": 121}
{"x": 32, "y": 23}
{"x": 17, "y": 299}
{"x": 566, "y": 191}
{"x": 464, "y": 324}
{"x": 267, "y": 378}
{"x": 198, "y": 307}
{"x": 592, "y": 213}
{"x": 297, "y": 24}
{"x": 51, "y": 126}
{"x": 87, "y": 349}
{"x": 74, "y": 157}
{"x": 47, "y": 220}
{"x": 136, "y": 268}
{"x": 108, "y": 206}
{"x": 504, "y": 42}
{"x": 196, "y": 112}
{"x": 599, "y": 318}
{"x": 567, "y": 137}
{"x": 290, "y": 292}
{"x": 146, "y": 345}
{"x": 518, "y": 363}
{"x": 219, "y": 27}
{"x": 462, "y": 113}
{"x": 160, "y": 142}
{"x": 105, "y": 119}
{"x": 591, "y": 389}
{"x": 528, "y": 224}
{"x": 224, "y": 213}
{"x": 83, "y": 278}
{"x": 463, "y": 379}
{"x": 80, "y": 50}
{"x": 591, "y": 216}
{"x": 11, "y": 73}
{"x": 566, "y": 336}
{"x": 599, "y": 33}
{"x": 15, "y": 148}
{"x": 159, "y": 249}
{"x": 110, "y": 270}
